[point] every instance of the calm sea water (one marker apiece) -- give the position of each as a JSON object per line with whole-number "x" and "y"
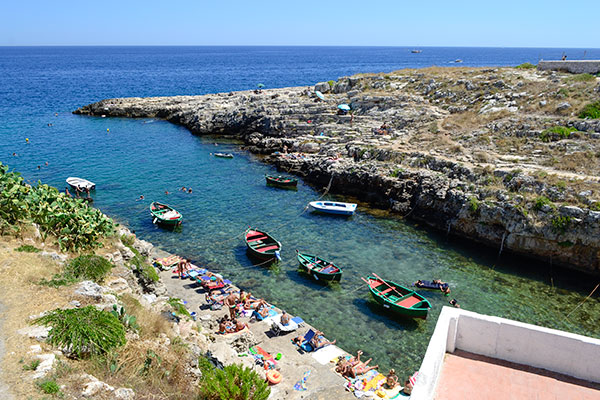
{"x": 41, "y": 86}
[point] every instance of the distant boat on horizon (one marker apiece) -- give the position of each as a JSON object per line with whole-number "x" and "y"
{"x": 416, "y": 51}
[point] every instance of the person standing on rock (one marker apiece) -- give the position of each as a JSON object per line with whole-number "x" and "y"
{"x": 231, "y": 303}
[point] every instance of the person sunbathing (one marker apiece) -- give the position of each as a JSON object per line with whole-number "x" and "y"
{"x": 225, "y": 326}
{"x": 285, "y": 318}
{"x": 360, "y": 368}
{"x": 319, "y": 340}
{"x": 239, "y": 325}
{"x": 262, "y": 308}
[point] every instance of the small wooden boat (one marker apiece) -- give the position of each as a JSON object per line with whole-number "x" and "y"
{"x": 319, "y": 268}
{"x": 430, "y": 285}
{"x": 333, "y": 207}
{"x": 398, "y": 298}
{"x": 261, "y": 245}
{"x": 80, "y": 183}
{"x": 223, "y": 155}
{"x": 164, "y": 214}
{"x": 281, "y": 181}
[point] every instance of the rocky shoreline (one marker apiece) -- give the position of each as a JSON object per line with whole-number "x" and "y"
{"x": 471, "y": 152}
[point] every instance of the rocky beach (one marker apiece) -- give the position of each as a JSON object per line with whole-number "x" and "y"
{"x": 498, "y": 156}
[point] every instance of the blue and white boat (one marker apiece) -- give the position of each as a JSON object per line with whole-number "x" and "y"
{"x": 333, "y": 207}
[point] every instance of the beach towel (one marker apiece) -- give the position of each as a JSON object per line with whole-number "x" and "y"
{"x": 325, "y": 354}
{"x": 301, "y": 384}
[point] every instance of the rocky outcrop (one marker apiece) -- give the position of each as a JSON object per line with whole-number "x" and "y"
{"x": 398, "y": 150}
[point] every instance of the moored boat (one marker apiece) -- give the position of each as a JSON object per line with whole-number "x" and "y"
{"x": 281, "y": 181}
{"x": 398, "y": 298}
{"x": 164, "y": 214}
{"x": 261, "y": 245}
{"x": 333, "y": 207}
{"x": 318, "y": 268}
{"x": 223, "y": 155}
{"x": 80, "y": 183}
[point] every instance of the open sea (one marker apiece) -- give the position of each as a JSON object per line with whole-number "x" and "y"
{"x": 41, "y": 86}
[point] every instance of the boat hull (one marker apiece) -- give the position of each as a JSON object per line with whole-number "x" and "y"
{"x": 305, "y": 261}
{"x": 333, "y": 208}
{"x": 156, "y": 212}
{"x": 261, "y": 245}
{"x": 419, "y": 308}
{"x": 280, "y": 181}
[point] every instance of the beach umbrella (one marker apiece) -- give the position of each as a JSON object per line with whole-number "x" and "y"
{"x": 319, "y": 95}
{"x": 260, "y": 86}
{"x": 344, "y": 107}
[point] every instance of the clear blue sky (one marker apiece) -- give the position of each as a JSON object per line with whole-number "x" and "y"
{"x": 506, "y": 23}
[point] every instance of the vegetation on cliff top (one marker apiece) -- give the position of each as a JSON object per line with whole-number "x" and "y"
{"x": 591, "y": 111}
{"x": 75, "y": 225}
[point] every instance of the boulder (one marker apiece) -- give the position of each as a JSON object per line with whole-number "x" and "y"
{"x": 39, "y": 333}
{"x": 90, "y": 289}
{"x": 124, "y": 394}
{"x": 93, "y": 386}
{"x": 118, "y": 286}
{"x": 144, "y": 247}
{"x": 45, "y": 365}
{"x": 563, "y": 106}
{"x": 322, "y": 87}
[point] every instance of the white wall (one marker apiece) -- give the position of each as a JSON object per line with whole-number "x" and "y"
{"x": 566, "y": 353}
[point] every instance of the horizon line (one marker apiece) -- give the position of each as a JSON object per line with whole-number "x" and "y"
{"x": 293, "y": 45}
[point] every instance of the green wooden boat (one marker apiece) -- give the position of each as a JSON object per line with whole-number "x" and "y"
{"x": 398, "y": 298}
{"x": 164, "y": 215}
{"x": 281, "y": 181}
{"x": 261, "y": 245}
{"x": 319, "y": 268}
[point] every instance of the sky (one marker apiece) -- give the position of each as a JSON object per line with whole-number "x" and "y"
{"x": 506, "y": 23}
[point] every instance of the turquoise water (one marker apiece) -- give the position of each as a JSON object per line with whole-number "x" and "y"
{"x": 148, "y": 157}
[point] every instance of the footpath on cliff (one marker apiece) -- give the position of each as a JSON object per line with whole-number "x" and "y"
{"x": 507, "y": 157}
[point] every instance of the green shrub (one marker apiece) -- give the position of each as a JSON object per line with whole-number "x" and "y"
{"x": 84, "y": 331}
{"x": 560, "y": 224}
{"x": 146, "y": 271}
{"x": 75, "y": 225}
{"x": 234, "y": 382}
{"x": 89, "y": 267}
{"x": 541, "y": 202}
{"x": 32, "y": 366}
{"x": 396, "y": 172}
{"x": 581, "y": 78}
{"x": 473, "y": 204}
{"x": 526, "y": 66}
{"x": 128, "y": 321}
{"x": 557, "y": 133}
{"x": 331, "y": 83}
{"x": 49, "y": 386}
{"x": 591, "y": 111}
{"x": 178, "y": 306}
{"x": 128, "y": 240}
{"x": 27, "y": 248}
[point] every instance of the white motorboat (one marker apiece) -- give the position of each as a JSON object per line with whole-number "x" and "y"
{"x": 333, "y": 207}
{"x": 80, "y": 183}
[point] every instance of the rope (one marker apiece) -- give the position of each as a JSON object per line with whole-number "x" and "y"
{"x": 589, "y": 295}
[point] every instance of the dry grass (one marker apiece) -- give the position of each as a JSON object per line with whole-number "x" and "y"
{"x": 21, "y": 298}
{"x": 151, "y": 324}
{"x": 152, "y": 370}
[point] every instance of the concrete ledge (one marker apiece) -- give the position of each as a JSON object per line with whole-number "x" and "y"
{"x": 557, "y": 351}
{"x": 572, "y": 66}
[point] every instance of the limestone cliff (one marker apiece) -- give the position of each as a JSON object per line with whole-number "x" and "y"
{"x": 498, "y": 156}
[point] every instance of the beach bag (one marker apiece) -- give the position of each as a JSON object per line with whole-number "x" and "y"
{"x": 216, "y": 306}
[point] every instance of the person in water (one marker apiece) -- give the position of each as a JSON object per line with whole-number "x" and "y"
{"x": 190, "y": 190}
{"x": 454, "y": 303}
{"x": 183, "y": 189}
{"x": 140, "y": 198}
{"x": 445, "y": 289}
{"x": 167, "y": 192}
